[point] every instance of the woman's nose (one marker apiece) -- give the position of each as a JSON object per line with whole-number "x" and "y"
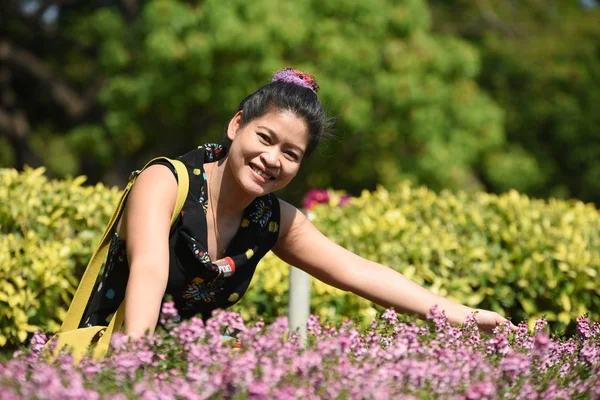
{"x": 271, "y": 158}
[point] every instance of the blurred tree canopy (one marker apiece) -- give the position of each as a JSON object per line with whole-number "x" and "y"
{"x": 541, "y": 63}
{"x": 99, "y": 87}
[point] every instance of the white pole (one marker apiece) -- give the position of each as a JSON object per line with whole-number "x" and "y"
{"x": 299, "y": 302}
{"x": 299, "y": 299}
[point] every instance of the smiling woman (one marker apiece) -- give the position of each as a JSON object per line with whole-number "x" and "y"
{"x": 269, "y": 149}
{"x": 231, "y": 219}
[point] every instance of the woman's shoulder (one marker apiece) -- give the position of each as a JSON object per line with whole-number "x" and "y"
{"x": 290, "y": 216}
{"x": 193, "y": 161}
{"x": 289, "y": 210}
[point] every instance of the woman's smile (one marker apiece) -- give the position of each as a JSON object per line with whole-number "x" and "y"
{"x": 262, "y": 174}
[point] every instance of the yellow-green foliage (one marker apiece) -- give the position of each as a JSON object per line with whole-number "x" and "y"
{"x": 523, "y": 257}
{"x": 48, "y": 230}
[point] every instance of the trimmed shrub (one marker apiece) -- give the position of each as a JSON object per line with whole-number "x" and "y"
{"x": 522, "y": 257}
{"x": 49, "y": 229}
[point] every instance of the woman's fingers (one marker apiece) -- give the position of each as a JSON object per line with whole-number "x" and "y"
{"x": 489, "y": 320}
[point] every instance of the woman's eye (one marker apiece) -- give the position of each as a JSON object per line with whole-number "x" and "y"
{"x": 264, "y": 138}
{"x": 292, "y": 156}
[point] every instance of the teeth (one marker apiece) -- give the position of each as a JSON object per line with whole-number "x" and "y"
{"x": 262, "y": 174}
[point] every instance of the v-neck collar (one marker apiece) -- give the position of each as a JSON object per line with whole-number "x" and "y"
{"x": 257, "y": 212}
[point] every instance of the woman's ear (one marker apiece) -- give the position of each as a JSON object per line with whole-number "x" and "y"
{"x": 234, "y": 125}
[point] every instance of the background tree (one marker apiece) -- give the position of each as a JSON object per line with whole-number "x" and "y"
{"x": 97, "y": 87}
{"x": 541, "y": 63}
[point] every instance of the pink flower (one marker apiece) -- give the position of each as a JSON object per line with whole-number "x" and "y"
{"x": 390, "y": 316}
{"x": 37, "y": 342}
{"x": 258, "y": 391}
{"x": 228, "y": 319}
{"x": 480, "y": 391}
{"x": 190, "y": 331}
{"x": 313, "y": 325}
{"x": 389, "y": 360}
{"x": 314, "y": 197}
{"x": 439, "y": 319}
{"x": 498, "y": 344}
{"x": 515, "y": 365}
{"x": 522, "y": 337}
{"x": 168, "y": 314}
{"x": 590, "y": 354}
{"x": 541, "y": 342}
{"x": 583, "y": 328}
{"x": 322, "y": 196}
{"x": 118, "y": 340}
{"x": 540, "y": 325}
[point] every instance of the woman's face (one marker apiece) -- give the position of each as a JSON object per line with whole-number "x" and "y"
{"x": 266, "y": 153}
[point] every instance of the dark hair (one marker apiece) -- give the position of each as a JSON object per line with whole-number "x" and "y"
{"x": 286, "y": 96}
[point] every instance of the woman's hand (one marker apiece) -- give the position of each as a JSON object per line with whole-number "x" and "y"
{"x": 488, "y": 320}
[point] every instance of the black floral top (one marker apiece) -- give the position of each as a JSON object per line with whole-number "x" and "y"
{"x": 196, "y": 284}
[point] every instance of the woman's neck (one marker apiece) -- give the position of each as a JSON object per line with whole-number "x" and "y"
{"x": 230, "y": 199}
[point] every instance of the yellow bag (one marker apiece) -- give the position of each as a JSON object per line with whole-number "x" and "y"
{"x": 78, "y": 341}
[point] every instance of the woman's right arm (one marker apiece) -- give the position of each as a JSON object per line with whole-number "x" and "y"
{"x": 301, "y": 244}
{"x": 145, "y": 227}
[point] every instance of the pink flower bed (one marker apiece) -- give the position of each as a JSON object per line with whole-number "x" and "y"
{"x": 393, "y": 359}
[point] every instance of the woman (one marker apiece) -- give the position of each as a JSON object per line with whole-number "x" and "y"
{"x": 232, "y": 216}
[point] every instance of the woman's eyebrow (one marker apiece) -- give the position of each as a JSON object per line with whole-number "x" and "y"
{"x": 271, "y": 131}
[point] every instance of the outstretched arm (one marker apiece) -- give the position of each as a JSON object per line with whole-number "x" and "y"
{"x": 302, "y": 245}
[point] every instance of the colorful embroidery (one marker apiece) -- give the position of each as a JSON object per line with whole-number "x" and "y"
{"x": 200, "y": 255}
{"x": 203, "y": 200}
{"x": 198, "y": 290}
{"x": 213, "y": 152}
{"x": 262, "y": 212}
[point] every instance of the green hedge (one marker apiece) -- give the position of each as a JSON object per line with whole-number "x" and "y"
{"x": 48, "y": 231}
{"x": 522, "y": 257}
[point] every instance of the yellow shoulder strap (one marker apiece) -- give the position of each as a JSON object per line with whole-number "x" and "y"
{"x": 84, "y": 290}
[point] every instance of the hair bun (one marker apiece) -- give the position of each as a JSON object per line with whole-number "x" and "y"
{"x": 297, "y": 77}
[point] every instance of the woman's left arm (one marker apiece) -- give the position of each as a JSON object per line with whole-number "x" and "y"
{"x": 301, "y": 244}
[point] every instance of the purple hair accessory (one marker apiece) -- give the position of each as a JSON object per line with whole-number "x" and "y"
{"x": 297, "y": 77}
